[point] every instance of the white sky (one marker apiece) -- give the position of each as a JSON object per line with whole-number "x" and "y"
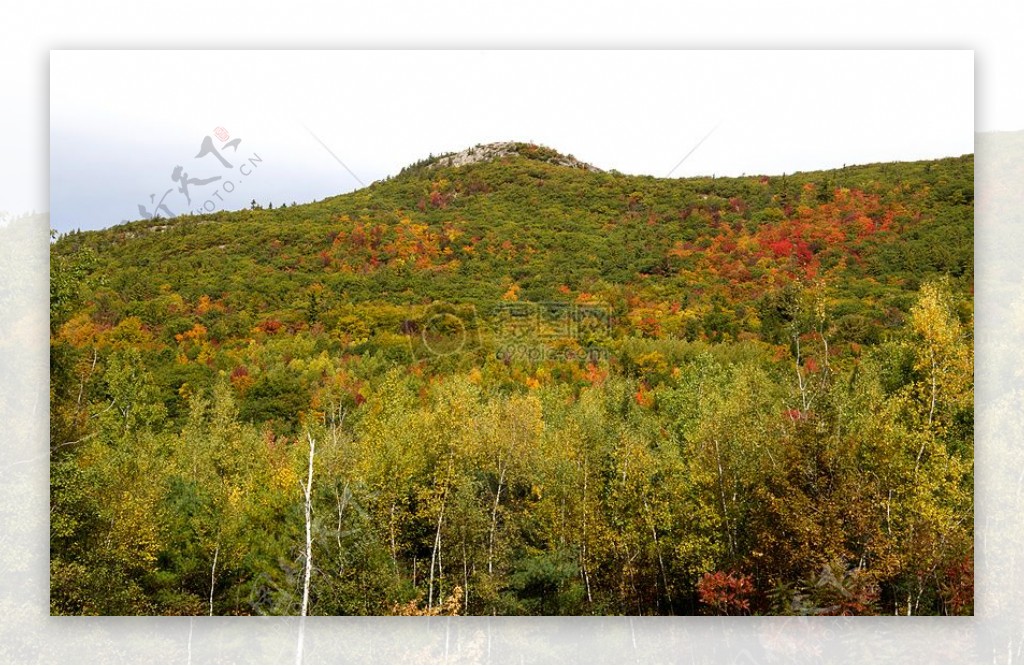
{"x": 31, "y": 29}
{"x": 121, "y": 120}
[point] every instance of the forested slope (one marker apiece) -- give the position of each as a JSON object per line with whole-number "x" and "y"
{"x": 533, "y": 388}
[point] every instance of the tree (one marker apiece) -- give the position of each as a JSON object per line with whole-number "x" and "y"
{"x": 307, "y": 494}
{"x": 943, "y": 356}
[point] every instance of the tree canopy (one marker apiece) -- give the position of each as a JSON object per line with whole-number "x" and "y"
{"x": 533, "y": 388}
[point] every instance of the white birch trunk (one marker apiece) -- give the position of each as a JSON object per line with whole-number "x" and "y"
{"x": 213, "y": 576}
{"x": 308, "y": 492}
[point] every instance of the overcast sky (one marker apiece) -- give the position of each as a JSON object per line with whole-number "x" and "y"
{"x": 300, "y": 126}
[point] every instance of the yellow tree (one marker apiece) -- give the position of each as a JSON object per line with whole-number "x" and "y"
{"x": 944, "y": 358}
{"x": 937, "y": 508}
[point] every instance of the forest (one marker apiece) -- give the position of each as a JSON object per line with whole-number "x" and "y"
{"x": 522, "y": 386}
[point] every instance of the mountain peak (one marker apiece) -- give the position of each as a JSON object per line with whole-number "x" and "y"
{"x": 493, "y": 151}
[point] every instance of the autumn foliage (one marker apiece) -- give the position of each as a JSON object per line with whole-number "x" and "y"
{"x": 726, "y": 593}
{"x": 535, "y": 388}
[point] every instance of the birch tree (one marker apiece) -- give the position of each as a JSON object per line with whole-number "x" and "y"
{"x": 307, "y": 493}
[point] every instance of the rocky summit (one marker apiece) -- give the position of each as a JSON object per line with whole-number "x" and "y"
{"x": 495, "y": 151}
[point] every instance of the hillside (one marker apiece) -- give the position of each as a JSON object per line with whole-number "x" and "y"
{"x": 488, "y": 340}
{"x": 468, "y": 234}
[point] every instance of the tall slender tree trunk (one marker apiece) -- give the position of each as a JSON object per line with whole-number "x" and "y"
{"x": 824, "y": 342}
{"x": 801, "y": 384}
{"x": 342, "y": 503}
{"x": 583, "y": 549}
{"x": 391, "y": 534}
{"x": 308, "y": 491}
{"x": 465, "y": 574}
{"x": 494, "y": 521}
{"x": 435, "y": 553}
{"x": 657, "y": 549}
{"x": 721, "y": 493}
{"x": 85, "y": 378}
{"x": 213, "y": 576}
{"x": 931, "y": 408}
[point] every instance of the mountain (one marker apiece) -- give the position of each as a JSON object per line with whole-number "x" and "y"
{"x": 555, "y": 229}
{"x": 582, "y": 391}
{"x": 498, "y": 150}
